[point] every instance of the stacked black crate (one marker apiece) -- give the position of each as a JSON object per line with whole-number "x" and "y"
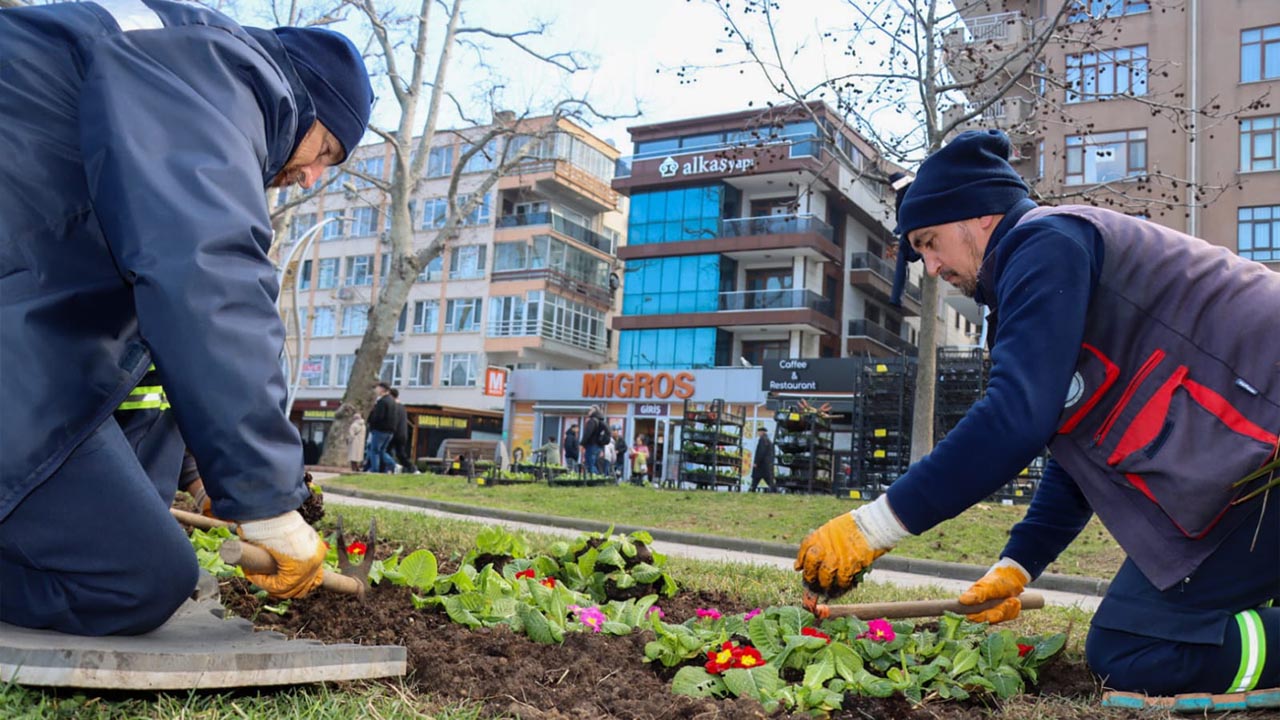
{"x": 803, "y": 451}
{"x": 710, "y": 446}
{"x": 882, "y": 424}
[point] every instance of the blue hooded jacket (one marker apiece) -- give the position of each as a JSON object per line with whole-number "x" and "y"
{"x": 134, "y": 228}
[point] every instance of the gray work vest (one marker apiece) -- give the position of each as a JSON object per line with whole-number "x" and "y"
{"x": 1176, "y": 393}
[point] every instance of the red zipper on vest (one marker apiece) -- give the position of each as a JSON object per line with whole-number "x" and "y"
{"x": 1114, "y": 415}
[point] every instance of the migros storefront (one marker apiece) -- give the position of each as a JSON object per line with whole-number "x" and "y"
{"x": 545, "y": 403}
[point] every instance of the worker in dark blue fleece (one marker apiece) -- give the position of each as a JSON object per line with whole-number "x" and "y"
{"x": 134, "y": 228}
{"x": 1146, "y": 360}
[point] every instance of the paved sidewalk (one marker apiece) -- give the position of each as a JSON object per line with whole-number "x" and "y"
{"x": 949, "y": 578}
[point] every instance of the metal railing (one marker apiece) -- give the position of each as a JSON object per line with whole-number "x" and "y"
{"x": 776, "y": 300}
{"x": 866, "y": 328}
{"x": 566, "y": 282}
{"x": 776, "y": 225}
{"x": 562, "y": 225}
{"x": 998, "y": 26}
{"x": 883, "y": 268}
{"x": 546, "y": 329}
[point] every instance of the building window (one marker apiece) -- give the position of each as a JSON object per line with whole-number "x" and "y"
{"x": 364, "y": 221}
{"x": 360, "y": 270}
{"x": 426, "y": 316}
{"x": 682, "y": 284}
{"x": 355, "y": 318}
{"x": 1258, "y": 233}
{"x": 300, "y": 225}
{"x": 384, "y": 266}
{"x": 459, "y": 370}
{"x": 304, "y": 275}
{"x": 390, "y": 372}
{"x": 510, "y": 256}
{"x": 514, "y": 315}
{"x": 435, "y": 212}
{"x": 1107, "y": 73}
{"x": 371, "y": 167}
{"x": 673, "y": 348}
{"x": 759, "y": 352}
{"x": 440, "y": 161}
{"x": 422, "y": 369}
{"x": 332, "y": 230}
{"x": 1105, "y": 157}
{"x": 433, "y": 271}
{"x": 485, "y": 159}
{"x": 1260, "y": 54}
{"x": 346, "y": 363}
{"x": 675, "y": 215}
{"x": 327, "y": 274}
{"x": 1098, "y": 9}
{"x": 315, "y": 371}
{"x": 462, "y": 315}
{"x": 573, "y": 323}
{"x": 479, "y": 215}
{"x": 322, "y": 322}
{"x": 1258, "y": 140}
{"x": 467, "y": 262}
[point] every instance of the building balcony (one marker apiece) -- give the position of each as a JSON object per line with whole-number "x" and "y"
{"x": 973, "y": 51}
{"x": 562, "y": 226}
{"x": 791, "y": 309}
{"x": 577, "y": 347}
{"x": 1016, "y": 115}
{"x": 561, "y": 179}
{"x": 870, "y": 339}
{"x": 722, "y": 160}
{"x": 873, "y": 275}
{"x": 791, "y": 235}
{"x": 574, "y": 288}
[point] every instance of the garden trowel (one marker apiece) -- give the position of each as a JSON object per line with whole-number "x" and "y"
{"x": 351, "y": 578}
{"x": 910, "y": 608}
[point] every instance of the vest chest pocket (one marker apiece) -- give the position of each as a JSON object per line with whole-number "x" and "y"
{"x": 1094, "y": 376}
{"x": 1185, "y": 447}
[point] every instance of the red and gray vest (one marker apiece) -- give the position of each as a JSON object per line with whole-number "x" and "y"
{"x": 1176, "y": 393}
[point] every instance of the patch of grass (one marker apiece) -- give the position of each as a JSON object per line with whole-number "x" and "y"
{"x": 344, "y": 701}
{"x": 976, "y": 536}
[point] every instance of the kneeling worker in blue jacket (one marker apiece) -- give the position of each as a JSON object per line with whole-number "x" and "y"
{"x": 134, "y": 230}
{"x": 1147, "y": 361}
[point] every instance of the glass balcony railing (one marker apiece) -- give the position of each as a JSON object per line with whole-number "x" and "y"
{"x": 562, "y": 225}
{"x": 866, "y": 328}
{"x": 776, "y": 225}
{"x": 791, "y": 298}
{"x": 883, "y": 268}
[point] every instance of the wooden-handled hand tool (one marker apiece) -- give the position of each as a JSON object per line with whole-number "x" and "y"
{"x": 351, "y": 578}
{"x": 913, "y": 608}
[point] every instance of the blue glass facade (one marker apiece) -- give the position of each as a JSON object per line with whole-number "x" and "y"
{"x": 681, "y": 284}
{"x": 673, "y": 348}
{"x": 691, "y": 213}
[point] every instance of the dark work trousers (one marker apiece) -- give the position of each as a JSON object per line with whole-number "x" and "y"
{"x": 93, "y": 550}
{"x": 1210, "y": 633}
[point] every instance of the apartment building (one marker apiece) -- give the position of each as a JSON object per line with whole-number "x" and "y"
{"x": 1103, "y": 116}
{"x": 751, "y": 238}
{"x": 525, "y": 285}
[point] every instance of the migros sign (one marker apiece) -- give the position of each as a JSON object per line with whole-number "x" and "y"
{"x": 637, "y": 385}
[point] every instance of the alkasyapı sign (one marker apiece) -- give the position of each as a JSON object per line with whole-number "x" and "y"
{"x": 700, "y": 164}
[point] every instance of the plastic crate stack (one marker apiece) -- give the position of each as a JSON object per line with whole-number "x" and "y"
{"x": 803, "y": 455}
{"x": 882, "y": 425}
{"x": 962, "y": 378}
{"x": 710, "y": 446}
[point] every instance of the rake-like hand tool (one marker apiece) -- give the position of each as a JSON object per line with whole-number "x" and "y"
{"x": 911, "y": 608}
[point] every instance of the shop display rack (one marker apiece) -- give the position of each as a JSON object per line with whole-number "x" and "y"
{"x": 710, "y": 446}
{"x": 803, "y": 450}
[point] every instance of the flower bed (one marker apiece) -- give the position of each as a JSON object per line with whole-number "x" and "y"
{"x": 596, "y": 629}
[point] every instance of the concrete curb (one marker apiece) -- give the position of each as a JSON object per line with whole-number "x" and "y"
{"x": 932, "y": 568}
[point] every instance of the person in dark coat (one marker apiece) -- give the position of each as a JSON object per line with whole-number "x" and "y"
{"x": 762, "y": 461}
{"x": 1146, "y": 360}
{"x": 383, "y": 421}
{"x": 595, "y": 435}
{"x": 400, "y": 440}
{"x": 571, "y": 448}
{"x": 134, "y": 230}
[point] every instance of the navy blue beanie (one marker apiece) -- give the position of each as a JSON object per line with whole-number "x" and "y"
{"x": 968, "y": 178}
{"x": 331, "y": 68}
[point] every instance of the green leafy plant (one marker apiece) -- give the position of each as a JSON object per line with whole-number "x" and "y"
{"x": 206, "y": 544}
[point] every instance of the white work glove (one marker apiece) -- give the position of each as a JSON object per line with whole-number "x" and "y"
{"x": 297, "y": 549}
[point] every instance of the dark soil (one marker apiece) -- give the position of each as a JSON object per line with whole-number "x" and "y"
{"x": 589, "y": 676}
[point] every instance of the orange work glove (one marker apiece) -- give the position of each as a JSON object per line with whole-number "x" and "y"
{"x": 1006, "y": 579}
{"x": 297, "y": 549}
{"x": 831, "y": 556}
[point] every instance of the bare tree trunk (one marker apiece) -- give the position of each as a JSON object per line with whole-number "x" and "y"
{"x": 926, "y": 370}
